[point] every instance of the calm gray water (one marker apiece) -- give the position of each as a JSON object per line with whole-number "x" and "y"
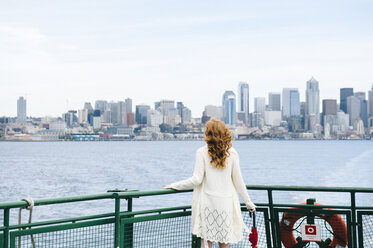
{"x": 57, "y": 169}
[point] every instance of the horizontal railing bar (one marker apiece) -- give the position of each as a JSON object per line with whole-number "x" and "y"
{"x": 133, "y": 194}
{"x": 68, "y": 220}
{"x": 151, "y": 211}
{"x": 309, "y": 188}
{"x": 51, "y": 201}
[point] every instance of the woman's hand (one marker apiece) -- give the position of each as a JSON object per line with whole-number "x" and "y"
{"x": 168, "y": 187}
{"x": 252, "y": 210}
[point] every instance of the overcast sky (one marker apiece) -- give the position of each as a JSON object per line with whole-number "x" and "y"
{"x": 60, "y": 54}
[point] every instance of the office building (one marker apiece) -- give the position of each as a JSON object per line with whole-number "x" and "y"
{"x": 154, "y": 118}
{"x": 272, "y": 118}
{"x": 260, "y": 105}
{"x": 329, "y": 107}
{"x": 274, "y": 101}
{"x": 312, "y": 103}
{"x": 21, "y": 110}
{"x": 243, "y": 99}
{"x": 141, "y": 114}
{"x": 229, "y": 107}
{"x": 128, "y": 103}
{"x": 344, "y": 93}
{"x": 101, "y": 105}
{"x": 370, "y": 103}
{"x": 122, "y": 113}
{"x": 290, "y": 102}
{"x": 212, "y": 112}
{"x": 353, "y": 109}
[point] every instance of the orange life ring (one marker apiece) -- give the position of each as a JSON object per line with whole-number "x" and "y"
{"x": 335, "y": 221}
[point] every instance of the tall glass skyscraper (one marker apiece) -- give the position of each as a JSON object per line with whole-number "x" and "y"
{"x": 313, "y": 99}
{"x": 229, "y": 107}
{"x": 290, "y": 102}
{"x": 344, "y": 93}
{"x": 243, "y": 99}
{"x": 21, "y": 110}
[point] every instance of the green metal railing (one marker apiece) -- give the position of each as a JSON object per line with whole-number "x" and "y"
{"x": 170, "y": 227}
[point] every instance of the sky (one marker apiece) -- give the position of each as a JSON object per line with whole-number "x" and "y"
{"x": 60, "y": 54}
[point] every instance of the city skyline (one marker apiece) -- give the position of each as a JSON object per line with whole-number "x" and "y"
{"x": 302, "y": 98}
{"x": 51, "y": 52}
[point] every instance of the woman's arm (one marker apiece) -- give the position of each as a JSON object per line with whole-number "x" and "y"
{"x": 239, "y": 183}
{"x": 196, "y": 179}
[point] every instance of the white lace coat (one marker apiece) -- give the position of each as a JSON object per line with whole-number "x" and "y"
{"x": 216, "y": 212}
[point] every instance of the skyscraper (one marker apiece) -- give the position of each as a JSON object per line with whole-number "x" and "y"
{"x": 21, "y": 110}
{"x": 128, "y": 103}
{"x": 274, "y": 101}
{"x": 363, "y": 107}
{"x": 329, "y": 107}
{"x": 229, "y": 107}
{"x": 370, "y": 102}
{"x": 290, "y": 102}
{"x": 313, "y": 99}
{"x": 101, "y": 105}
{"x": 122, "y": 113}
{"x": 353, "y": 109}
{"x": 260, "y": 105}
{"x": 243, "y": 99}
{"x": 141, "y": 114}
{"x": 344, "y": 93}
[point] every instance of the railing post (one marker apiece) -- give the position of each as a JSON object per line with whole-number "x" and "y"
{"x": 128, "y": 227}
{"x": 196, "y": 242}
{"x": 117, "y": 221}
{"x": 353, "y": 214}
{"x": 6, "y": 225}
{"x": 272, "y": 218}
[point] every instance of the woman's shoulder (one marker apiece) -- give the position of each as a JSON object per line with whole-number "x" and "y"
{"x": 202, "y": 149}
{"x": 233, "y": 151}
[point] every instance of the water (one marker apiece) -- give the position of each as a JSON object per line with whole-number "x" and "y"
{"x": 58, "y": 169}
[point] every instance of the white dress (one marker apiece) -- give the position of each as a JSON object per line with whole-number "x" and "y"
{"x": 216, "y": 212}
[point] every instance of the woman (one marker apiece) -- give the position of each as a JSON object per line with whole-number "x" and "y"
{"x": 216, "y": 212}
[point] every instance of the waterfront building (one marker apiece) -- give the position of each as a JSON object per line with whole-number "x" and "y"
{"x": 21, "y": 110}
{"x": 344, "y": 93}
{"x": 243, "y": 100}
{"x": 141, "y": 114}
{"x": 229, "y": 107}
{"x": 353, "y": 109}
{"x": 57, "y": 125}
{"x": 96, "y": 123}
{"x": 272, "y": 118}
{"x": 370, "y": 102}
{"x": 128, "y": 104}
{"x": 290, "y": 102}
{"x": 101, "y": 105}
{"x": 312, "y": 103}
{"x": 154, "y": 118}
{"x": 274, "y": 101}
{"x": 260, "y": 105}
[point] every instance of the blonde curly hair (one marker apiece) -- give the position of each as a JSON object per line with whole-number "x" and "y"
{"x": 218, "y": 139}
